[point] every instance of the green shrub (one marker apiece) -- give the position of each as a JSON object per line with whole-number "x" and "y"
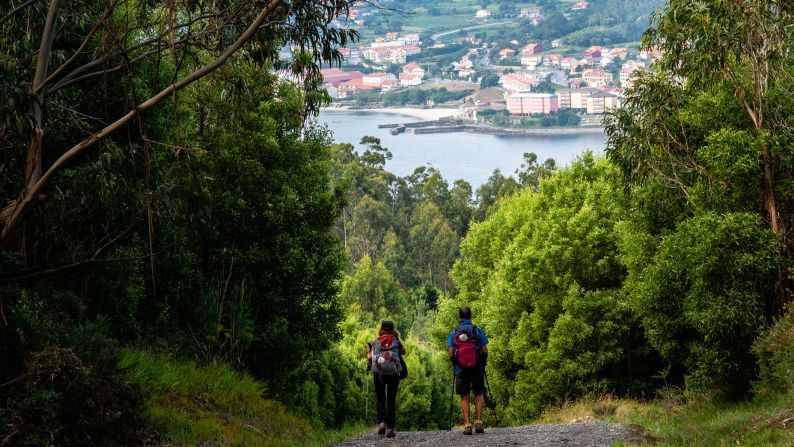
{"x": 775, "y": 351}
{"x": 702, "y": 297}
{"x": 60, "y": 400}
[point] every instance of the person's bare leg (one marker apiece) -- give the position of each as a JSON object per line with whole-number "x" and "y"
{"x": 465, "y": 406}
{"x": 479, "y": 403}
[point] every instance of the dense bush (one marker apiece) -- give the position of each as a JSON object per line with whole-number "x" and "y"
{"x": 775, "y": 352}
{"x": 702, "y": 296}
{"x": 69, "y": 391}
{"x": 544, "y": 277}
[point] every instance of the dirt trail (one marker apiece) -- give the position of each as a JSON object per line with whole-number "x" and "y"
{"x": 590, "y": 434}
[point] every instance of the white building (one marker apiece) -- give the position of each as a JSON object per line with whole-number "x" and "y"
{"x": 515, "y": 83}
{"x": 377, "y": 79}
{"x": 483, "y": 14}
{"x": 532, "y": 103}
{"x": 628, "y": 72}
{"x": 531, "y": 60}
{"x": 412, "y": 75}
{"x": 350, "y": 56}
{"x": 411, "y": 39}
{"x": 530, "y": 13}
{"x": 601, "y": 102}
{"x": 596, "y": 77}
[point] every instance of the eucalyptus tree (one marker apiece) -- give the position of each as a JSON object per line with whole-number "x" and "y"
{"x": 714, "y": 115}
{"x": 57, "y": 52}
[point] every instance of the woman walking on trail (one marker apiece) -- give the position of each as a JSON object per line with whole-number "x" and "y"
{"x": 384, "y": 355}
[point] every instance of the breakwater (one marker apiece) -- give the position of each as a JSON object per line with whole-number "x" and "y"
{"x": 447, "y": 126}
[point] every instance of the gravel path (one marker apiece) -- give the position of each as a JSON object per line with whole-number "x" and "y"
{"x": 590, "y": 434}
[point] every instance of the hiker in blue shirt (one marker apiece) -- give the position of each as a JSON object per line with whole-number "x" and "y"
{"x": 468, "y": 351}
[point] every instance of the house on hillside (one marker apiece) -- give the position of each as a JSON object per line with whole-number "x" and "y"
{"x": 568, "y": 63}
{"x": 465, "y": 67}
{"x": 335, "y": 76}
{"x": 507, "y": 52}
{"x": 651, "y": 54}
{"x": 578, "y": 6}
{"x": 350, "y": 56}
{"x": 482, "y": 14}
{"x": 594, "y": 52}
{"x": 619, "y": 53}
{"x": 411, "y": 39}
{"x": 350, "y": 88}
{"x": 390, "y": 54}
{"x": 552, "y": 60}
{"x": 532, "y": 48}
{"x": 556, "y": 43}
{"x": 627, "y": 73}
{"x": 333, "y": 91}
{"x": 412, "y": 75}
{"x": 377, "y": 80}
{"x": 596, "y": 77}
{"x": 390, "y": 85}
{"x": 515, "y": 83}
{"x": 529, "y": 13}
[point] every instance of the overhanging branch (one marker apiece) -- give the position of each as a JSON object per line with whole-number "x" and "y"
{"x": 17, "y": 210}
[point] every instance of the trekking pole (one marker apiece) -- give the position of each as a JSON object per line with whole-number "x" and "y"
{"x": 452, "y": 399}
{"x": 366, "y": 407}
{"x": 490, "y": 398}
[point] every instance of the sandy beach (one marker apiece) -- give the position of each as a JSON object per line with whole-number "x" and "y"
{"x": 422, "y": 114}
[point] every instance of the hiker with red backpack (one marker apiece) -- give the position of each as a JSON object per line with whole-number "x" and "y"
{"x": 384, "y": 358}
{"x": 468, "y": 351}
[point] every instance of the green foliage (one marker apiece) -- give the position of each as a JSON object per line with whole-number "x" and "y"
{"x": 708, "y": 268}
{"x": 701, "y": 296}
{"x": 61, "y": 399}
{"x": 205, "y": 228}
{"x": 374, "y": 290}
{"x": 212, "y": 405}
{"x": 775, "y": 352}
{"x": 543, "y": 274}
{"x": 563, "y": 118}
{"x": 670, "y": 420}
{"x": 491, "y": 80}
{"x": 415, "y": 96}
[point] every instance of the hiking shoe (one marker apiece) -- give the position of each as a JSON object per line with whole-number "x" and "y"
{"x": 478, "y": 427}
{"x": 390, "y": 433}
{"x": 382, "y": 428}
{"x": 467, "y": 430}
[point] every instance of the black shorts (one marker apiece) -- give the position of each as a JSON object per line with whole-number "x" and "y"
{"x": 470, "y": 380}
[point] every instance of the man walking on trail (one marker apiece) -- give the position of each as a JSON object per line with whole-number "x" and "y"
{"x": 468, "y": 351}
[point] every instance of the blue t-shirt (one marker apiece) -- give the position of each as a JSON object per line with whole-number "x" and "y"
{"x": 480, "y": 340}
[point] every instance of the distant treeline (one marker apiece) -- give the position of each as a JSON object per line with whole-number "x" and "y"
{"x": 415, "y": 96}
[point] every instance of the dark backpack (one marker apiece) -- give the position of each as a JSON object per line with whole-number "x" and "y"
{"x": 467, "y": 354}
{"x": 386, "y": 356}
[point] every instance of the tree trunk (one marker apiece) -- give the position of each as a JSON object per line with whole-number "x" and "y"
{"x": 33, "y": 166}
{"x": 770, "y": 205}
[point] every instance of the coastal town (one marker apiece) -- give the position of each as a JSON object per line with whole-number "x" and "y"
{"x": 513, "y": 83}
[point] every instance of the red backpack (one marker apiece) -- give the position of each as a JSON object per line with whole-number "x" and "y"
{"x": 466, "y": 349}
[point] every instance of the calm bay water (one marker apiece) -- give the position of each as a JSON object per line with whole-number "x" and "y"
{"x": 472, "y": 157}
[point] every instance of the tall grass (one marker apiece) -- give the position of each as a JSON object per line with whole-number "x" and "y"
{"x": 676, "y": 419}
{"x": 214, "y": 405}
